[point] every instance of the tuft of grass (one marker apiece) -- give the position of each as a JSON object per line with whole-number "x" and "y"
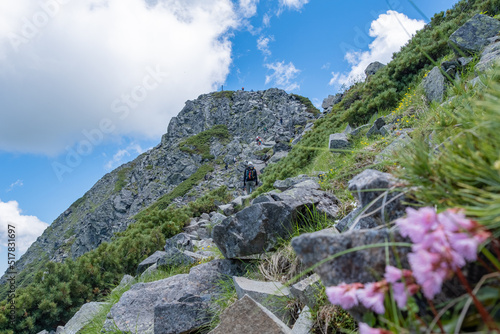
{"x": 460, "y": 167}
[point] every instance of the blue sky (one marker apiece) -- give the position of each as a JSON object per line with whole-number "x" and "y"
{"x": 90, "y": 84}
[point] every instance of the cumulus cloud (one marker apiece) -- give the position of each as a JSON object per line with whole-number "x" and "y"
{"x": 122, "y": 155}
{"x": 293, "y": 4}
{"x": 263, "y": 44}
{"x": 391, "y": 31}
{"x": 67, "y": 65}
{"x": 283, "y": 75}
{"x": 27, "y": 228}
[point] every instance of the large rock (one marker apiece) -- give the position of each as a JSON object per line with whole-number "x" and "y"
{"x": 248, "y": 316}
{"x": 81, "y": 318}
{"x": 338, "y": 141}
{"x": 272, "y": 295}
{"x": 254, "y": 230}
{"x": 473, "y": 36}
{"x": 305, "y": 197}
{"x": 189, "y": 313}
{"x": 376, "y": 193}
{"x": 173, "y": 258}
{"x": 489, "y": 58}
{"x": 290, "y": 182}
{"x": 373, "y": 68}
{"x": 181, "y": 241}
{"x": 150, "y": 261}
{"x": 307, "y": 290}
{"x": 363, "y": 266}
{"x": 330, "y": 101}
{"x": 434, "y": 85}
{"x": 136, "y": 309}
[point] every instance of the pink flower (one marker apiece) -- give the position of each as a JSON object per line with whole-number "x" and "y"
{"x": 453, "y": 220}
{"x": 392, "y": 274}
{"x": 365, "y": 329}
{"x": 343, "y": 295}
{"x": 400, "y": 294}
{"x": 372, "y": 296}
{"x": 417, "y": 223}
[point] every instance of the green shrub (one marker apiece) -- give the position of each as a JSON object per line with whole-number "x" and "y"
{"x": 310, "y": 107}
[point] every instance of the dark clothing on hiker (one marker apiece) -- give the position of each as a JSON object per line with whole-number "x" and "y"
{"x": 250, "y": 179}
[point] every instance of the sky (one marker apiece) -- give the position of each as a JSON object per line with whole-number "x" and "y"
{"x": 88, "y": 85}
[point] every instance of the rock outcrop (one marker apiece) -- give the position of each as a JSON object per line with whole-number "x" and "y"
{"x": 473, "y": 36}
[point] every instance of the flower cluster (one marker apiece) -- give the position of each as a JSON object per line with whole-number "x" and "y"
{"x": 442, "y": 243}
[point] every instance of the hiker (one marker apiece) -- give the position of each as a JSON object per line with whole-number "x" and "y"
{"x": 250, "y": 180}
{"x": 281, "y": 120}
{"x": 242, "y": 88}
{"x": 235, "y": 160}
{"x": 226, "y": 166}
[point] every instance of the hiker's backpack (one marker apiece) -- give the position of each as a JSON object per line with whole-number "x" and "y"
{"x": 251, "y": 174}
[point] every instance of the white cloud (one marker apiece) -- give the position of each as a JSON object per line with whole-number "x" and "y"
{"x": 293, "y": 4}
{"x": 18, "y": 183}
{"x": 283, "y": 76}
{"x": 248, "y": 8}
{"x": 266, "y": 20}
{"x": 391, "y": 31}
{"x": 263, "y": 44}
{"x": 27, "y": 228}
{"x": 63, "y": 77}
{"x": 122, "y": 155}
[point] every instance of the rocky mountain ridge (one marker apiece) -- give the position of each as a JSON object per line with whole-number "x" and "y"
{"x": 110, "y": 205}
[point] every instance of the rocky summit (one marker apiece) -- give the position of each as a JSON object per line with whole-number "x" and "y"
{"x": 110, "y": 205}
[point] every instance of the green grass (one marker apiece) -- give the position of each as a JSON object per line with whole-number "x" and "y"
{"x": 200, "y": 143}
{"x": 310, "y": 108}
{"x": 224, "y": 94}
{"x": 182, "y": 189}
{"x": 122, "y": 178}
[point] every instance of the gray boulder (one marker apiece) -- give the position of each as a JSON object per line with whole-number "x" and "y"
{"x": 305, "y": 198}
{"x": 373, "y": 191}
{"x": 189, "y": 313}
{"x": 254, "y": 230}
{"x": 273, "y": 295}
{"x": 434, "y": 85}
{"x": 338, "y": 141}
{"x": 304, "y": 323}
{"x": 377, "y": 126}
{"x": 180, "y": 241}
{"x": 218, "y": 218}
{"x": 363, "y": 266}
{"x": 359, "y": 129}
{"x": 248, "y": 316}
{"x": 489, "y": 57}
{"x": 355, "y": 220}
{"x": 136, "y": 310}
{"x": 373, "y": 68}
{"x": 290, "y": 182}
{"x": 473, "y": 36}
{"x": 227, "y": 209}
{"x": 330, "y": 101}
{"x": 307, "y": 290}
{"x": 81, "y": 318}
{"x": 173, "y": 258}
{"x": 150, "y": 261}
